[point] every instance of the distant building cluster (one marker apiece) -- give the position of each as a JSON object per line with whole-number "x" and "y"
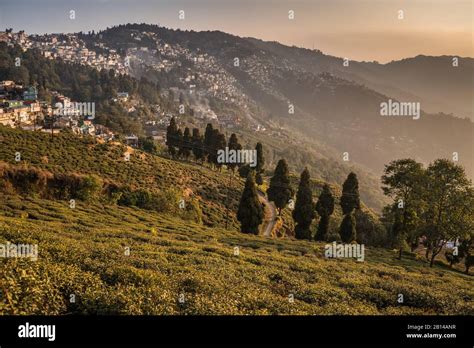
{"x": 201, "y": 77}
{"x": 69, "y": 48}
{"x": 20, "y": 107}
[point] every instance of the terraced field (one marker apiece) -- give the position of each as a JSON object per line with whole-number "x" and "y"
{"x": 103, "y": 258}
{"x": 67, "y": 153}
{"x": 175, "y": 267}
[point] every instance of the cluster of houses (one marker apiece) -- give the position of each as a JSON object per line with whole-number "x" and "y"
{"x": 20, "y": 38}
{"x": 69, "y": 48}
{"x": 20, "y": 107}
{"x": 207, "y": 78}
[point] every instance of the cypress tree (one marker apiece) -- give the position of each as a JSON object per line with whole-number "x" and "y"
{"x": 208, "y": 141}
{"x": 233, "y": 145}
{"x": 280, "y": 190}
{"x": 219, "y": 142}
{"x": 349, "y": 201}
{"x": 171, "y": 133}
{"x": 250, "y": 212}
{"x": 347, "y": 230}
{"x": 179, "y": 141}
{"x": 325, "y": 208}
{"x": 303, "y": 214}
{"x": 185, "y": 148}
{"x": 350, "y": 194}
{"x": 197, "y": 144}
{"x": 244, "y": 170}
{"x": 260, "y": 163}
{"x": 211, "y": 147}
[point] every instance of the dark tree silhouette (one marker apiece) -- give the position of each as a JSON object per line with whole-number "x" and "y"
{"x": 250, "y": 212}
{"x": 280, "y": 190}
{"x": 304, "y": 213}
{"x": 325, "y": 208}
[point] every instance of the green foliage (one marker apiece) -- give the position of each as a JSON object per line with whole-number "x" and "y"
{"x": 81, "y": 83}
{"x": 89, "y": 188}
{"x": 244, "y": 171}
{"x": 437, "y": 203}
{"x": 172, "y": 138}
{"x": 81, "y": 252}
{"x": 403, "y": 181}
{"x": 303, "y": 214}
{"x": 208, "y": 140}
{"x": 69, "y": 158}
{"x": 280, "y": 190}
{"x": 197, "y": 145}
{"x": 349, "y": 201}
{"x": 233, "y": 145}
{"x": 218, "y": 142}
{"x": 250, "y": 213}
{"x": 369, "y": 230}
{"x": 185, "y": 145}
{"x": 350, "y": 194}
{"x": 148, "y": 145}
{"x": 325, "y": 208}
{"x": 348, "y": 228}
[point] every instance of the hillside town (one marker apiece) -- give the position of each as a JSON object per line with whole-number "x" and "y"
{"x": 20, "y": 107}
{"x": 198, "y": 77}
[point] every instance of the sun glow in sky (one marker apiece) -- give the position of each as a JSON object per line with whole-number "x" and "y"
{"x": 357, "y": 29}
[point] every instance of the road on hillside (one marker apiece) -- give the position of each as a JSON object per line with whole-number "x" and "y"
{"x": 270, "y": 214}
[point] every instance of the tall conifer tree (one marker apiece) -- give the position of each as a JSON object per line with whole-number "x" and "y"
{"x": 250, "y": 212}
{"x": 304, "y": 213}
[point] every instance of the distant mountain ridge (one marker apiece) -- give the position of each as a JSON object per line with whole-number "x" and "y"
{"x": 336, "y": 106}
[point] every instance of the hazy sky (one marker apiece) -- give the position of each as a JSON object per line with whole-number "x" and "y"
{"x": 356, "y": 29}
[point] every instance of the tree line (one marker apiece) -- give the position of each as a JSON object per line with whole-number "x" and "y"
{"x": 431, "y": 206}
{"x": 280, "y": 192}
{"x": 204, "y": 148}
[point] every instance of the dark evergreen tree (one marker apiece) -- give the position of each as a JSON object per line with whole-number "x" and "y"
{"x": 185, "y": 148}
{"x": 171, "y": 134}
{"x": 211, "y": 148}
{"x": 303, "y": 214}
{"x": 233, "y": 145}
{"x": 348, "y": 230}
{"x": 349, "y": 201}
{"x": 280, "y": 190}
{"x": 260, "y": 164}
{"x": 179, "y": 142}
{"x": 218, "y": 142}
{"x": 250, "y": 212}
{"x": 350, "y": 194}
{"x": 148, "y": 144}
{"x": 325, "y": 208}
{"x": 208, "y": 133}
{"x": 197, "y": 145}
{"x": 244, "y": 170}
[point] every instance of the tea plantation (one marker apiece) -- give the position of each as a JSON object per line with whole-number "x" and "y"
{"x": 101, "y": 258}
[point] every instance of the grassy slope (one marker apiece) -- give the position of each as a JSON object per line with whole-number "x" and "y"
{"x": 81, "y": 252}
{"x": 68, "y": 153}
